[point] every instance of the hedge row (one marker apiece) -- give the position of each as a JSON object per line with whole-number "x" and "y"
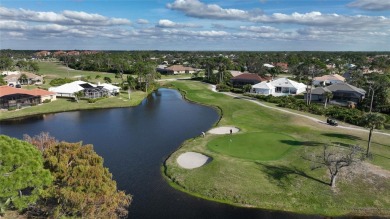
{"x": 352, "y": 116}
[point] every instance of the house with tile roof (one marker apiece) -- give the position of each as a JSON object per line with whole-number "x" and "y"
{"x": 19, "y": 97}
{"x": 13, "y": 78}
{"x": 247, "y": 78}
{"x": 326, "y": 80}
{"x": 178, "y": 69}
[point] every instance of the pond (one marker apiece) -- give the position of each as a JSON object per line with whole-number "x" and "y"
{"x": 134, "y": 143}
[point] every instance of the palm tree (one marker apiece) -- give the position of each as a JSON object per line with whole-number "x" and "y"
{"x": 131, "y": 82}
{"x": 23, "y": 79}
{"x": 328, "y": 96}
{"x": 372, "y": 121}
{"x": 78, "y": 95}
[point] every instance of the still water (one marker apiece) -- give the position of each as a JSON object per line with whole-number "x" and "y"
{"x": 134, "y": 143}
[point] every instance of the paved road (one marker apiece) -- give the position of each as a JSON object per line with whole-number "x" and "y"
{"x": 213, "y": 88}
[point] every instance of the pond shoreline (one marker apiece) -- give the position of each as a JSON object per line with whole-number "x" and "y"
{"x": 179, "y": 179}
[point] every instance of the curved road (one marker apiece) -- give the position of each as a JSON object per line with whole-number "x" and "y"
{"x": 213, "y": 88}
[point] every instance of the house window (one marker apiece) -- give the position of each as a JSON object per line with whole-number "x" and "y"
{"x": 278, "y": 89}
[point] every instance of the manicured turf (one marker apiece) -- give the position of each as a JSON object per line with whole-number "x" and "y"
{"x": 253, "y": 146}
{"x": 282, "y": 180}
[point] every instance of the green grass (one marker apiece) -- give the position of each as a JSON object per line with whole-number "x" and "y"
{"x": 52, "y": 70}
{"x": 64, "y": 104}
{"x": 281, "y": 180}
{"x": 262, "y": 146}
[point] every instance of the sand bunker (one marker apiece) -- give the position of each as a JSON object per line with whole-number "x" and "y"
{"x": 191, "y": 160}
{"x": 223, "y": 130}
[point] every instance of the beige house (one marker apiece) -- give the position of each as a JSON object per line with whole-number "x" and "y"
{"x": 328, "y": 80}
{"x": 12, "y": 79}
{"x": 179, "y": 69}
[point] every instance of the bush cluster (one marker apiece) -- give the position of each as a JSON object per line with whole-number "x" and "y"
{"x": 60, "y": 81}
{"x": 352, "y": 116}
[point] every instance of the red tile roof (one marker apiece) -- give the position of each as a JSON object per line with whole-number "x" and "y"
{"x": 250, "y": 76}
{"x": 7, "y": 90}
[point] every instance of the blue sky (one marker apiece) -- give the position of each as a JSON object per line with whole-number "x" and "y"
{"x": 256, "y": 25}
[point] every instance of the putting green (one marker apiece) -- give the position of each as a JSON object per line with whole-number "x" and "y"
{"x": 254, "y": 146}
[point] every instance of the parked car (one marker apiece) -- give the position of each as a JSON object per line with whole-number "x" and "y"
{"x": 331, "y": 121}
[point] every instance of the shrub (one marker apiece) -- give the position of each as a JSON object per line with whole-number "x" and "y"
{"x": 12, "y": 108}
{"x": 46, "y": 101}
{"x": 237, "y": 90}
{"x": 223, "y": 88}
{"x": 92, "y": 100}
{"x": 60, "y": 81}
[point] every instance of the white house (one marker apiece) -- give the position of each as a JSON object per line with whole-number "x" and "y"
{"x": 279, "y": 87}
{"x": 328, "y": 80}
{"x": 111, "y": 88}
{"x": 263, "y": 88}
{"x": 68, "y": 90}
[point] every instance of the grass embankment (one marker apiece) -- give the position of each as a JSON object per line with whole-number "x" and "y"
{"x": 275, "y": 176}
{"x": 53, "y": 70}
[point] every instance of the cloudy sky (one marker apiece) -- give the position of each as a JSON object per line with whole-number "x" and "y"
{"x": 261, "y": 25}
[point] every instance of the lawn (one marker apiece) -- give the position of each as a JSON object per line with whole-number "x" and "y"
{"x": 52, "y": 70}
{"x": 65, "y": 104}
{"x": 262, "y": 146}
{"x": 278, "y": 179}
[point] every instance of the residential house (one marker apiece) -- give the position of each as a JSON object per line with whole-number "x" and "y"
{"x": 89, "y": 90}
{"x": 263, "y": 88}
{"x": 247, "y": 78}
{"x": 179, "y": 69}
{"x": 42, "y": 54}
{"x": 279, "y": 87}
{"x": 68, "y": 90}
{"x": 235, "y": 73}
{"x": 19, "y": 97}
{"x": 112, "y": 89}
{"x": 343, "y": 94}
{"x": 283, "y": 66}
{"x": 326, "y": 80}
{"x": 95, "y": 92}
{"x": 13, "y": 78}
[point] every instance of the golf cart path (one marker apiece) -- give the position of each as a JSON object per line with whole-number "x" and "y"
{"x": 213, "y": 88}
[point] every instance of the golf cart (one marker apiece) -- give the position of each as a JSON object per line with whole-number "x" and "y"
{"x": 331, "y": 121}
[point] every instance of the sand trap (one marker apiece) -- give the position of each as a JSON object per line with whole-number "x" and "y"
{"x": 223, "y": 130}
{"x": 191, "y": 160}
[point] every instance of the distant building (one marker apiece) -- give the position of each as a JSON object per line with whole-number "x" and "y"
{"x": 176, "y": 69}
{"x": 13, "y": 78}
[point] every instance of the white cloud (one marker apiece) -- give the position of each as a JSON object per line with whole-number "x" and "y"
{"x": 142, "y": 21}
{"x": 260, "y": 29}
{"x": 164, "y": 23}
{"x": 372, "y": 5}
{"x": 64, "y": 18}
{"x": 195, "y": 8}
